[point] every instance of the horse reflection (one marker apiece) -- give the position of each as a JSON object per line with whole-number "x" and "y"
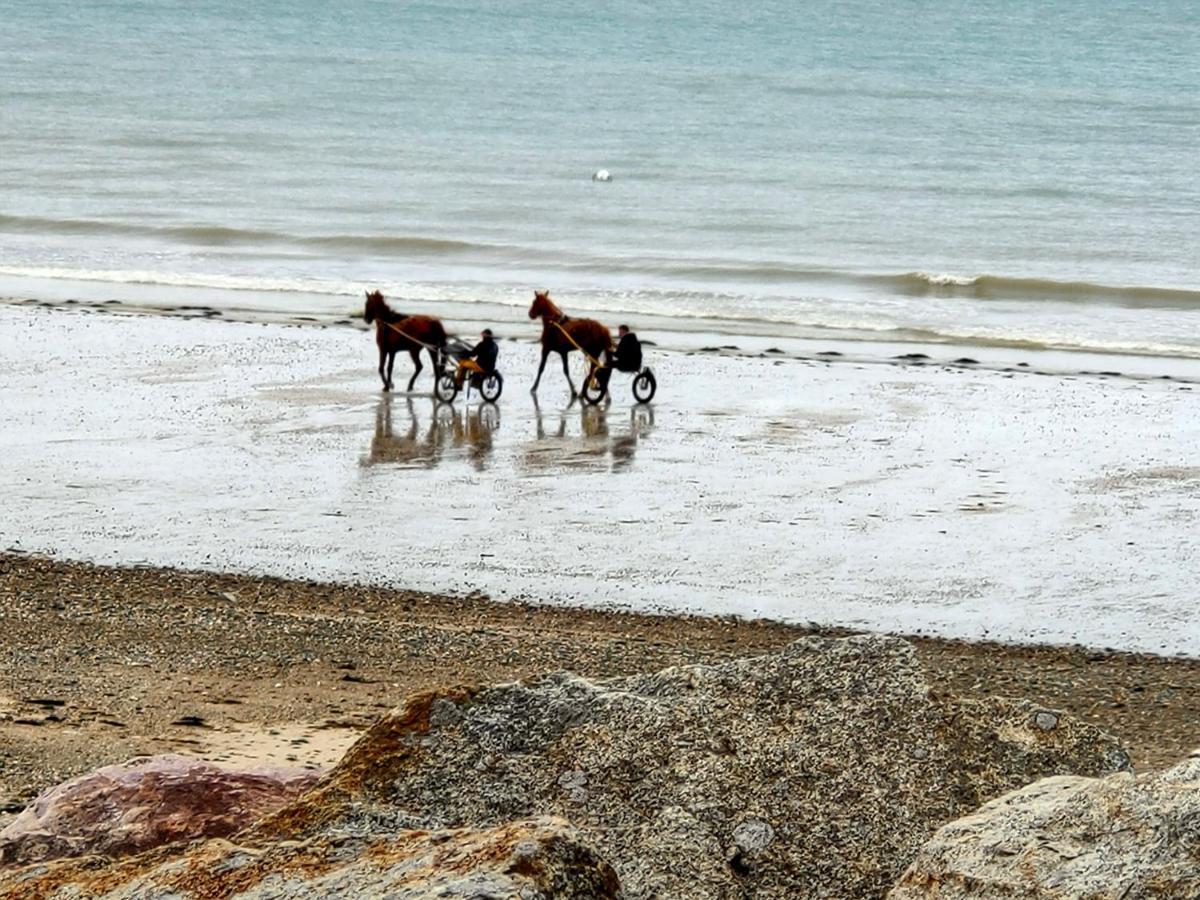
{"x": 400, "y": 440}
{"x": 597, "y": 445}
{"x": 411, "y": 446}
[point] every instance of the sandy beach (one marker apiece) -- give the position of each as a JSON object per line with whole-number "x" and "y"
{"x": 101, "y": 664}
{"x": 1027, "y": 499}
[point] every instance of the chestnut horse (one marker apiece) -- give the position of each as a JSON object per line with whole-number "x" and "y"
{"x": 586, "y": 334}
{"x": 396, "y": 331}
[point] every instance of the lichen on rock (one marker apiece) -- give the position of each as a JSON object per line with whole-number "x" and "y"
{"x": 817, "y": 771}
{"x": 835, "y": 748}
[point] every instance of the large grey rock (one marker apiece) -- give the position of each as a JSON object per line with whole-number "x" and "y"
{"x": 814, "y": 772}
{"x": 527, "y": 860}
{"x": 1115, "y": 838}
{"x": 817, "y": 771}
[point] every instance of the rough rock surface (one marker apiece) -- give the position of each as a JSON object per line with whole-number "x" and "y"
{"x": 1120, "y": 837}
{"x": 818, "y": 771}
{"x": 133, "y": 806}
{"x": 814, "y": 772}
{"x": 527, "y": 860}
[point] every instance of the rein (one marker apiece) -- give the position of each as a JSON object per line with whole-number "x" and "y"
{"x": 408, "y": 336}
{"x": 595, "y": 362}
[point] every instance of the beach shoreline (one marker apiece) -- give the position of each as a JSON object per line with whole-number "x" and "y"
{"x": 688, "y": 335}
{"x": 888, "y": 497}
{"x": 106, "y": 663}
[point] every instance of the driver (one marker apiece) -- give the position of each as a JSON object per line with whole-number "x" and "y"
{"x": 481, "y": 361}
{"x": 628, "y": 355}
{"x": 626, "y": 358}
{"x": 485, "y": 352}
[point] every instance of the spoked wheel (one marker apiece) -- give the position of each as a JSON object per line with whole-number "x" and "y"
{"x": 594, "y": 390}
{"x": 644, "y": 386}
{"x": 445, "y": 388}
{"x": 491, "y": 387}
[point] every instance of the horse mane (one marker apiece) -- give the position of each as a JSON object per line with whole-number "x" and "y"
{"x": 377, "y": 307}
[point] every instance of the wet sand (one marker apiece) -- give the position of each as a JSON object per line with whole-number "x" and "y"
{"x": 915, "y": 495}
{"x": 99, "y": 664}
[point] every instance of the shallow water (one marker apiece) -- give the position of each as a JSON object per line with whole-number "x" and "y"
{"x": 945, "y": 499}
{"x": 1018, "y": 174}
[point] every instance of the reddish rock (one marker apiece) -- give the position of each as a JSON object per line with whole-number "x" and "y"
{"x": 542, "y": 859}
{"x": 143, "y": 803}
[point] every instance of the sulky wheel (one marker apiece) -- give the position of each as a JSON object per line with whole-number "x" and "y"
{"x": 594, "y": 391}
{"x": 445, "y": 388}
{"x": 491, "y": 387}
{"x": 644, "y": 386}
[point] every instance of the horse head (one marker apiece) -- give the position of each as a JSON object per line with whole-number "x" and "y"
{"x": 543, "y": 307}
{"x": 375, "y": 307}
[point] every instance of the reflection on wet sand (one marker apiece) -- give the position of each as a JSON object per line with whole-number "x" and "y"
{"x": 596, "y": 445}
{"x": 451, "y": 432}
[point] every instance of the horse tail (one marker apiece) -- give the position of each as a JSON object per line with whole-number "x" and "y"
{"x": 437, "y": 338}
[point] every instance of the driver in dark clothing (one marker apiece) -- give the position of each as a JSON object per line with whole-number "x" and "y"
{"x": 486, "y": 352}
{"x": 628, "y": 355}
{"x": 626, "y": 358}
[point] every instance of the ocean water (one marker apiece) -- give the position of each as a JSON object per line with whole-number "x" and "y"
{"x": 1014, "y": 173}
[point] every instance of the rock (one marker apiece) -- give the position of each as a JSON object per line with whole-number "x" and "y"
{"x": 133, "y": 806}
{"x": 758, "y": 777}
{"x": 1045, "y": 720}
{"x": 817, "y": 771}
{"x": 1127, "y": 837}
{"x": 536, "y": 860}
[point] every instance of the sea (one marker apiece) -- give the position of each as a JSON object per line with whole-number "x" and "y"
{"x": 996, "y": 172}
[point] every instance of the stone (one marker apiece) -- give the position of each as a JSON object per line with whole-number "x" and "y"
{"x": 678, "y": 778}
{"x": 148, "y": 801}
{"x": 794, "y": 774}
{"x": 752, "y": 836}
{"x": 1045, "y": 720}
{"x": 1116, "y": 838}
{"x": 536, "y": 860}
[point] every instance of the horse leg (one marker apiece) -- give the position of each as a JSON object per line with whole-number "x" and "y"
{"x": 567, "y": 374}
{"x": 591, "y": 374}
{"x": 415, "y": 353}
{"x": 383, "y": 356}
{"x": 391, "y": 365}
{"x": 538, "y": 380}
{"x": 435, "y": 360}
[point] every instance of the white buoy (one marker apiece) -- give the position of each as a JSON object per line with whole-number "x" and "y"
{"x": 601, "y": 175}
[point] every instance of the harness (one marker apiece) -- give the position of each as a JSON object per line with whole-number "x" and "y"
{"x": 408, "y": 336}
{"x": 574, "y": 343}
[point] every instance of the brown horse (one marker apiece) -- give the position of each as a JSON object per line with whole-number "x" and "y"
{"x": 562, "y": 334}
{"x": 396, "y": 331}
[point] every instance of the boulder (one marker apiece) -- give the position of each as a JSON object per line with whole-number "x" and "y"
{"x": 817, "y": 771}
{"x": 148, "y": 801}
{"x": 1120, "y": 837}
{"x": 529, "y": 860}
{"x": 814, "y": 772}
